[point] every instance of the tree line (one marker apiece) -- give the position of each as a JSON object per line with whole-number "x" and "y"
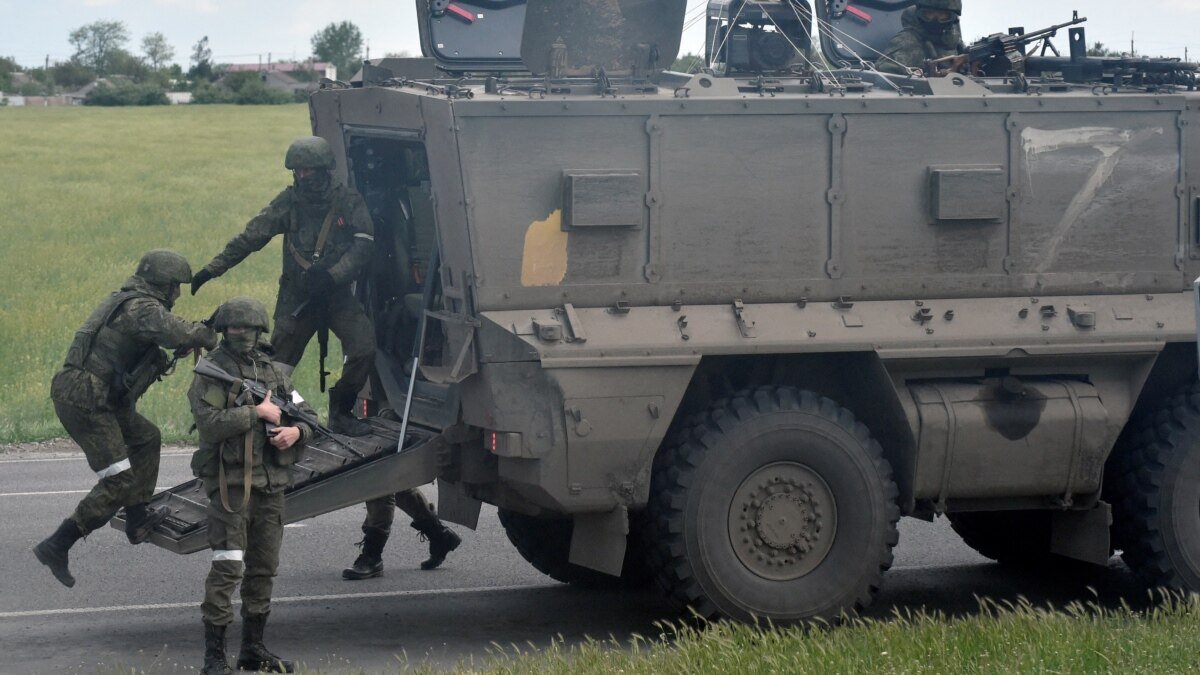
{"x": 102, "y": 53}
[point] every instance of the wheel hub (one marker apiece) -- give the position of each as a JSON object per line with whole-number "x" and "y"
{"x": 782, "y": 521}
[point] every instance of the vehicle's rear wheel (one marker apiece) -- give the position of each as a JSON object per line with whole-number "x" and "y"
{"x": 1156, "y": 509}
{"x": 1016, "y": 538}
{"x": 546, "y": 544}
{"x": 773, "y": 504}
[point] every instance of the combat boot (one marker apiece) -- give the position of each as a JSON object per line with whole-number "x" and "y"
{"x": 370, "y": 562}
{"x": 214, "y": 651}
{"x": 140, "y": 521}
{"x": 254, "y": 655}
{"x": 341, "y": 418}
{"x": 52, "y": 552}
{"x": 442, "y": 541}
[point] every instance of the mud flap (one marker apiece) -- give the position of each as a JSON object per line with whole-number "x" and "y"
{"x": 456, "y": 506}
{"x": 1083, "y": 535}
{"x": 1196, "y": 300}
{"x": 598, "y": 540}
{"x": 331, "y": 476}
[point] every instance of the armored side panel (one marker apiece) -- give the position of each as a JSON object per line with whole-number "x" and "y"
{"x": 597, "y": 250}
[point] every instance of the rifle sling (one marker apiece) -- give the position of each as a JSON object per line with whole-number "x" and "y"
{"x": 322, "y": 237}
{"x": 247, "y": 460}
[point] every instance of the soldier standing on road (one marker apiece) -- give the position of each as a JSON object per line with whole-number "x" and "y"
{"x": 114, "y": 358}
{"x": 931, "y": 31}
{"x": 245, "y": 471}
{"x": 327, "y": 239}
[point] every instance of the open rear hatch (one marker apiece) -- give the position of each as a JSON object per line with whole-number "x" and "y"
{"x": 853, "y": 31}
{"x": 621, "y": 36}
{"x": 334, "y": 473}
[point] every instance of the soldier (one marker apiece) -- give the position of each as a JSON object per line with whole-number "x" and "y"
{"x": 378, "y": 526}
{"x": 245, "y": 470}
{"x": 327, "y": 239}
{"x": 931, "y": 31}
{"x": 113, "y": 359}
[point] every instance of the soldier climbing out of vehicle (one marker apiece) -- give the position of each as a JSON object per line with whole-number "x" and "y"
{"x": 328, "y": 238}
{"x": 931, "y": 31}
{"x": 113, "y": 360}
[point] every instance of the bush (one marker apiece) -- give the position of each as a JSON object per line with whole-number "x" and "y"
{"x": 242, "y": 89}
{"x": 126, "y": 93}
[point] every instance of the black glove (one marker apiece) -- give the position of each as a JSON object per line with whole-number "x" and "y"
{"x": 317, "y": 281}
{"x": 202, "y": 277}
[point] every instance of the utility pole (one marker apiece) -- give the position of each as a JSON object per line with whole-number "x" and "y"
{"x": 368, "y": 49}
{"x": 47, "y": 62}
{"x": 269, "y": 61}
{"x": 1132, "y": 49}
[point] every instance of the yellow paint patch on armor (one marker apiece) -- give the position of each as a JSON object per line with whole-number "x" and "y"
{"x": 544, "y": 260}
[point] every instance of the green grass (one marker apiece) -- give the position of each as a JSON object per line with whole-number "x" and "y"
{"x": 1010, "y": 639}
{"x": 86, "y": 191}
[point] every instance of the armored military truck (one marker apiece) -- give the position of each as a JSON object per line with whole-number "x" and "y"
{"x": 722, "y": 330}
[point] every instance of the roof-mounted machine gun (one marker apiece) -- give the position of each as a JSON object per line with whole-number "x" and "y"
{"x": 998, "y": 55}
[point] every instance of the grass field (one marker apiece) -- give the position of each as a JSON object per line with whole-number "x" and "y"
{"x": 86, "y": 191}
{"x": 1012, "y": 639}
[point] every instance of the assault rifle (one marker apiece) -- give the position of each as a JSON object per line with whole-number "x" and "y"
{"x": 322, "y": 342}
{"x": 254, "y": 392}
{"x": 996, "y": 55}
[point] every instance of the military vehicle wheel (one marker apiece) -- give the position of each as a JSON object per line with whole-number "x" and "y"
{"x": 1008, "y": 537}
{"x": 776, "y": 504}
{"x": 1156, "y": 510}
{"x": 546, "y": 544}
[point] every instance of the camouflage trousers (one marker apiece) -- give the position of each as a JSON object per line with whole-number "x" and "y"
{"x": 382, "y": 512}
{"x": 123, "y": 448}
{"x": 245, "y": 548}
{"x": 343, "y": 315}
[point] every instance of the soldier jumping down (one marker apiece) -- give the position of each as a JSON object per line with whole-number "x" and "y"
{"x": 114, "y": 358}
{"x": 245, "y": 470}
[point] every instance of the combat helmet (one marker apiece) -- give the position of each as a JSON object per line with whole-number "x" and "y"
{"x": 163, "y": 267}
{"x": 948, "y": 5}
{"x": 310, "y": 152}
{"x": 241, "y": 311}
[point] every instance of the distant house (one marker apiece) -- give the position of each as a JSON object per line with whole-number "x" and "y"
{"x": 279, "y": 80}
{"x": 320, "y": 69}
{"x": 48, "y": 101}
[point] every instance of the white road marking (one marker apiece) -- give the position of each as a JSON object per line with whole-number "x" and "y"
{"x": 81, "y": 458}
{"x": 295, "y": 525}
{"x": 311, "y": 598}
{"x": 63, "y": 492}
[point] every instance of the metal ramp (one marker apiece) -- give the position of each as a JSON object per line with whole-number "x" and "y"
{"x": 331, "y": 476}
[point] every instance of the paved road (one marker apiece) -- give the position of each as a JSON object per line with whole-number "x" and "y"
{"x": 138, "y": 607}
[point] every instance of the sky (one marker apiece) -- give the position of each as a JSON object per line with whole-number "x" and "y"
{"x": 242, "y": 31}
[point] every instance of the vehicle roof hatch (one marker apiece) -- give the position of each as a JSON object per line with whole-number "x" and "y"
{"x": 856, "y": 30}
{"x": 575, "y": 38}
{"x": 472, "y": 35}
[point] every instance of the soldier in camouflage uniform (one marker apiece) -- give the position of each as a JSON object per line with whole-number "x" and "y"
{"x": 327, "y": 241}
{"x": 931, "y": 31}
{"x": 245, "y": 470}
{"x": 114, "y": 358}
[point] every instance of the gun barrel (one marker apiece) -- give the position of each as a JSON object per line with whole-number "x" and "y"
{"x": 1052, "y": 30}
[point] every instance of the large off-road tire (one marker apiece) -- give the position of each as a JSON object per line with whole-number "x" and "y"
{"x": 546, "y": 544}
{"x": 1018, "y": 538}
{"x": 773, "y": 504}
{"x": 1156, "y": 495}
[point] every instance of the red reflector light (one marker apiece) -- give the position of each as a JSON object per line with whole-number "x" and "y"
{"x": 493, "y": 441}
{"x": 859, "y": 14}
{"x": 461, "y": 13}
